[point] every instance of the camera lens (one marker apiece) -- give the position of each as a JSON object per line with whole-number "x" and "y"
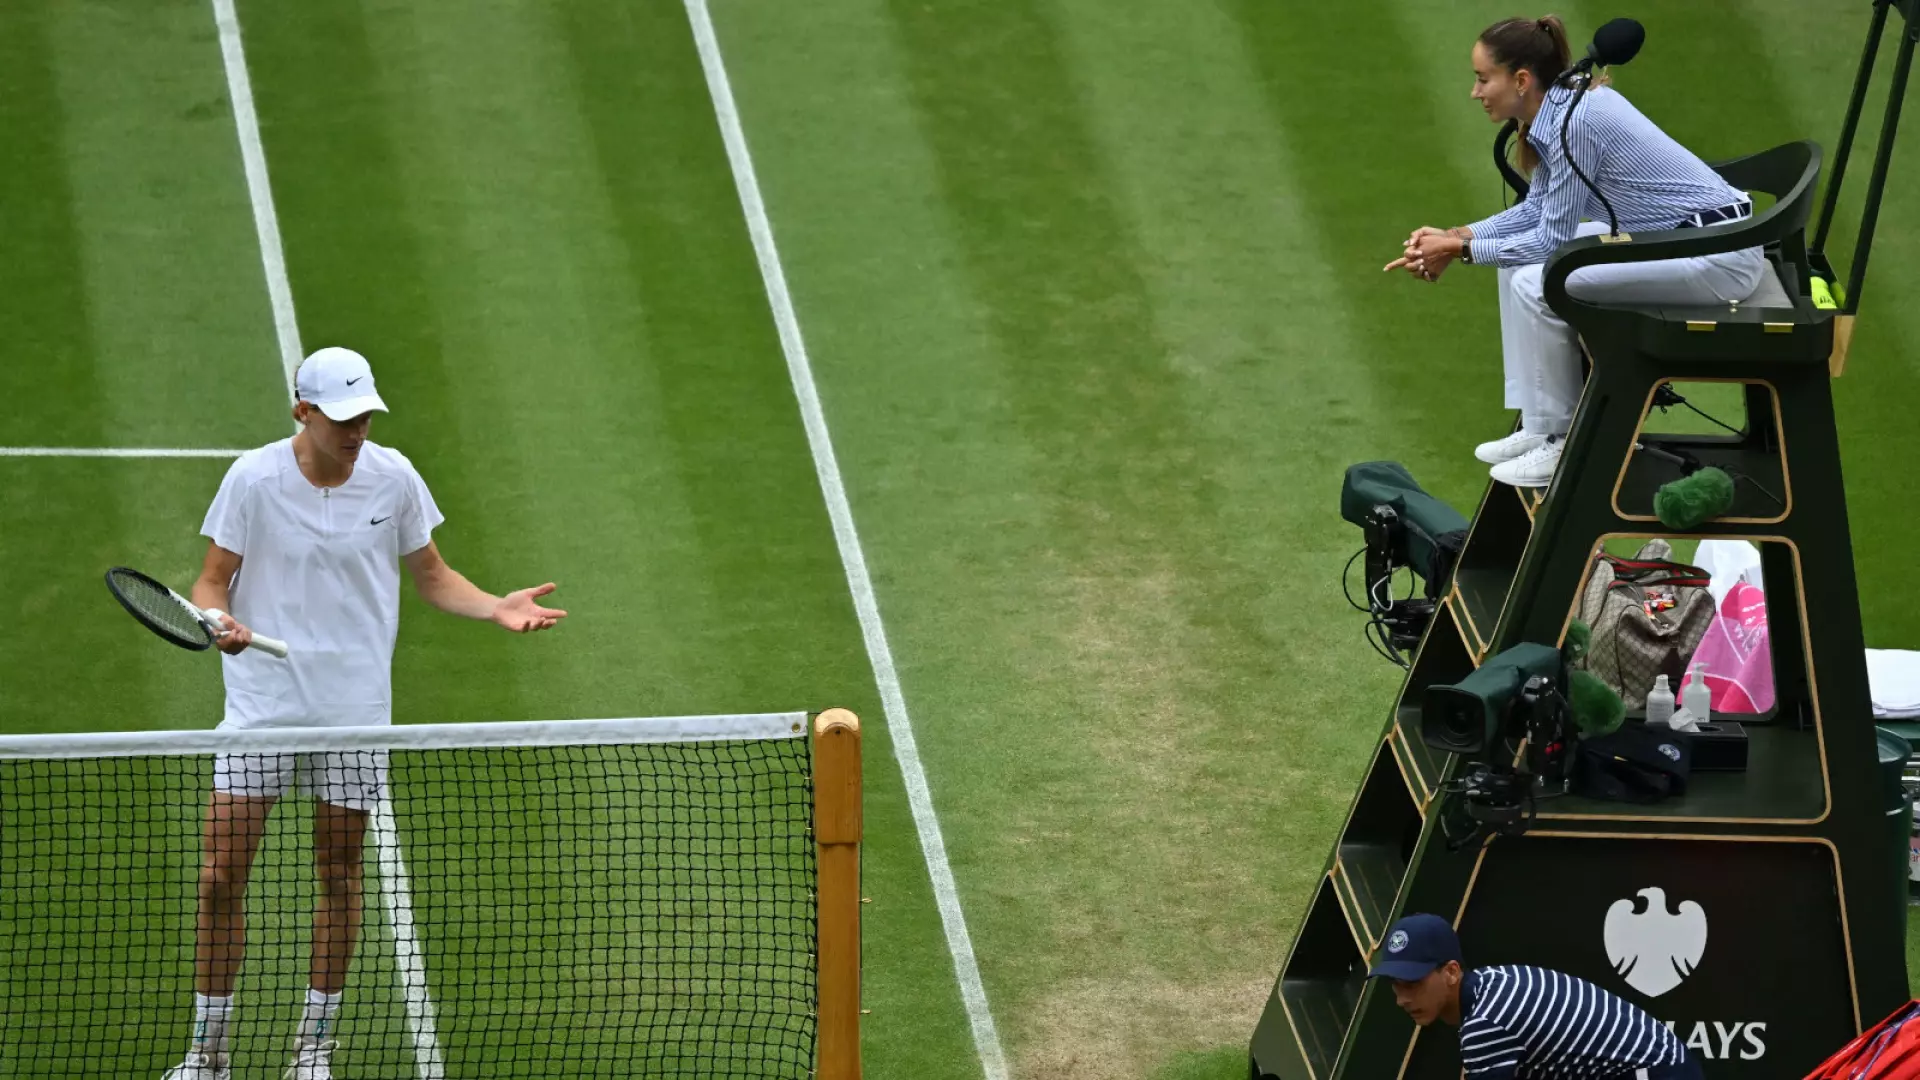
{"x": 1454, "y": 721}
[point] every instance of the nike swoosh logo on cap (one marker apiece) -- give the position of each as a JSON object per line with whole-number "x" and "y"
{"x": 377, "y": 521}
{"x": 350, "y": 382}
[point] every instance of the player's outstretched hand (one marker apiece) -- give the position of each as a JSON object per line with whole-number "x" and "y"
{"x": 236, "y": 639}
{"x": 518, "y": 611}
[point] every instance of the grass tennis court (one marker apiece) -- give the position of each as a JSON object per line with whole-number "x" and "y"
{"x": 1093, "y": 300}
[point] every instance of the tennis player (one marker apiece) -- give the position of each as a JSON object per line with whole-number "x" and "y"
{"x": 306, "y": 538}
{"x": 1652, "y": 181}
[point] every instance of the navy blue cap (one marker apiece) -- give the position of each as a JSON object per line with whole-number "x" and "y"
{"x": 1414, "y": 947}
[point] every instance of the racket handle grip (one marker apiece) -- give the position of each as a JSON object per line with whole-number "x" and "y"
{"x": 270, "y": 646}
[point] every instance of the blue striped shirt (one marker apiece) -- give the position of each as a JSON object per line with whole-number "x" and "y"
{"x": 1653, "y": 182}
{"x": 1520, "y": 1023}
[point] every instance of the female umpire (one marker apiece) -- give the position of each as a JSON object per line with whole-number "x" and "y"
{"x": 1652, "y": 181}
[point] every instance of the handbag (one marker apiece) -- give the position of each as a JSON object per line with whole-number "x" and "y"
{"x": 1648, "y": 615}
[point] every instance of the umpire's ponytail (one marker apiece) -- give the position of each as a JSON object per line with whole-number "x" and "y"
{"x": 1535, "y": 45}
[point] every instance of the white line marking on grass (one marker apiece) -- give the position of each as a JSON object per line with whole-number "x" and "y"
{"x": 409, "y": 957}
{"x": 113, "y": 452}
{"x": 899, "y": 727}
{"x": 411, "y": 962}
{"x": 266, "y": 222}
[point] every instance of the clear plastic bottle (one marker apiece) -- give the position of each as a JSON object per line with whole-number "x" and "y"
{"x": 1659, "y": 703}
{"x": 1696, "y": 696}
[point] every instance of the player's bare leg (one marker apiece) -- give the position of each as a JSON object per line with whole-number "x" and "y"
{"x": 338, "y": 836}
{"x": 229, "y": 840}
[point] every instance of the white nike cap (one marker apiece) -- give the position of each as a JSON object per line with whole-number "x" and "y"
{"x": 339, "y": 382}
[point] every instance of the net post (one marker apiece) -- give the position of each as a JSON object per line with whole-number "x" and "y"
{"x": 836, "y": 837}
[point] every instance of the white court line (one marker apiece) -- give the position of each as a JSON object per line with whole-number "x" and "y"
{"x": 899, "y": 728}
{"x": 113, "y": 452}
{"x": 409, "y": 957}
{"x": 266, "y": 222}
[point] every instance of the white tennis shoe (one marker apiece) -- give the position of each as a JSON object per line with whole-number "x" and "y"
{"x": 312, "y": 1061}
{"x": 1534, "y": 469}
{"x": 201, "y": 1067}
{"x": 1513, "y": 446}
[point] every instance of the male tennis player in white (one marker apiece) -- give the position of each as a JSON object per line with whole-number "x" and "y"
{"x": 306, "y": 537}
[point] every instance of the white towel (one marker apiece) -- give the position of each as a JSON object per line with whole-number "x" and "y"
{"x": 1893, "y": 682}
{"x": 1728, "y": 562}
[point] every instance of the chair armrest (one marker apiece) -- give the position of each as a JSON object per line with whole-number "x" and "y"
{"x": 1582, "y": 252}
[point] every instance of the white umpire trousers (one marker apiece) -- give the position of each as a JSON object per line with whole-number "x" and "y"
{"x": 1542, "y": 353}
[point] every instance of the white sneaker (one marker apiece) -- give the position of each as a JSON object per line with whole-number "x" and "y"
{"x": 1513, "y": 446}
{"x": 312, "y": 1061}
{"x": 201, "y": 1067}
{"x": 1532, "y": 469}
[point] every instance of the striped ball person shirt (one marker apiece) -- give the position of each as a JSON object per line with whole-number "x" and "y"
{"x": 1528, "y": 1023}
{"x": 1653, "y": 182}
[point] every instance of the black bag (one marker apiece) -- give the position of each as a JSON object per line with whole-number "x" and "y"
{"x": 1635, "y": 763}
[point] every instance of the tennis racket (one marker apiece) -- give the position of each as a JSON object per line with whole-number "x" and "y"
{"x": 168, "y": 614}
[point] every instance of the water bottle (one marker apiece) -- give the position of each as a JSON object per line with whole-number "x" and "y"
{"x": 1697, "y": 698}
{"x": 1659, "y": 703}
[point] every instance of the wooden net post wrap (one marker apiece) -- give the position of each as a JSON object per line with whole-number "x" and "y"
{"x": 836, "y": 836}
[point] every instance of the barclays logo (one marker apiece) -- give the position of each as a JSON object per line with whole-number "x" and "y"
{"x": 1655, "y": 949}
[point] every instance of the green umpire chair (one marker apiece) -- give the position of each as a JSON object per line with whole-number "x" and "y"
{"x": 1785, "y": 852}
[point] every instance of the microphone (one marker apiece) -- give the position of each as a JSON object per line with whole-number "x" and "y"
{"x": 1615, "y": 43}
{"x": 1596, "y": 708}
{"x": 1691, "y": 500}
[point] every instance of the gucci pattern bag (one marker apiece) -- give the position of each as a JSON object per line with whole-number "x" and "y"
{"x": 1648, "y": 615}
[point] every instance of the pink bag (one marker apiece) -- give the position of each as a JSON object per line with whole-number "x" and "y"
{"x": 1736, "y": 655}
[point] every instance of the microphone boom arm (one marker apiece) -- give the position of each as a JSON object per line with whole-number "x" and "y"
{"x": 1566, "y": 151}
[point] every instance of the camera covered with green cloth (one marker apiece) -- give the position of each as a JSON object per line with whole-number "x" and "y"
{"x": 1405, "y": 525}
{"x": 1504, "y": 697}
{"x": 1533, "y": 693}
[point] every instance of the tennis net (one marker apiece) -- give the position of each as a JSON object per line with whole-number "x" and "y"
{"x": 596, "y": 898}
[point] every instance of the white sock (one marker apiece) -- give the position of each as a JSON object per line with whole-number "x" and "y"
{"x": 210, "y": 1016}
{"x": 316, "y": 1021}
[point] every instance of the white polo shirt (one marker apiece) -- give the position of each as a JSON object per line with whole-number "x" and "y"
{"x": 320, "y": 570}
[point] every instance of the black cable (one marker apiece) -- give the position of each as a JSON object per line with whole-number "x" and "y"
{"x": 1714, "y": 419}
{"x": 1380, "y": 636}
{"x": 1347, "y": 590}
{"x": 1374, "y": 587}
{"x": 1764, "y": 490}
{"x": 1378, "y": 631}
{"x": 1613, "y": 222}
{"x": 1666, "y": 396}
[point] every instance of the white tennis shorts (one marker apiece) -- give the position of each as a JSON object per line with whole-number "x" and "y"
{"x": 354, "y": 779}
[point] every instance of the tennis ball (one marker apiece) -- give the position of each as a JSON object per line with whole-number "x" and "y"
{"x": 1822, "y": 297}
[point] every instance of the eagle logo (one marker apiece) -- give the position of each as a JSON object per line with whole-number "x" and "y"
{"x": 1655, "y": 949}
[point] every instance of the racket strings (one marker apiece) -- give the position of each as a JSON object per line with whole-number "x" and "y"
{"x": 158, "y": 609}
